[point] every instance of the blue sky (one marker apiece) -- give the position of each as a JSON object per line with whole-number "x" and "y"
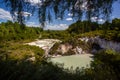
{"x": 56, "y": 23}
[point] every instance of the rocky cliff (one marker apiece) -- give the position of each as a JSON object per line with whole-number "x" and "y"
{"x": 104, "y": 44}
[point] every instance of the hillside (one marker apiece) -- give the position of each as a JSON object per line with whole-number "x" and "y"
{"x": 19, "y": 61}
{"x": 107, "y": 30}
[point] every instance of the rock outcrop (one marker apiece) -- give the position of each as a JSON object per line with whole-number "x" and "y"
{"x": 45, "y": 44}
{"x": 67, "y": 49}
{"x": 104, "y": 44}
{"x": 64, "y": 48}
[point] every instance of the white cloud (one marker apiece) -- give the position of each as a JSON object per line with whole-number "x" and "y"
{"x": 32, "y": 24}
{"x": 5, "y": 15}
{"x": 101, "y": 20}
{"x": 35, "y": 2}
{"x": 84, "y": 5}
{"x": 70, "y": 14}
{"x": 94, "y": 18}
{"x": 63, "y": 25}
{"x": 97, "y": 19}
{"x": 59, "y": 18}
{"x": 26, "y": 14}
{"x": 56, "y": 27}
{"x": 69, "y": 19}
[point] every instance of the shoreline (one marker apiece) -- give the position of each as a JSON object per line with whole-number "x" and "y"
{"x": 73, "y": 61}
{"x": 53, "y": 56}
{"x": 46, "y": 45}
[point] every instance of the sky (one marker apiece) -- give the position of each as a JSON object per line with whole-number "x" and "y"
{"x": 56, "y": 24}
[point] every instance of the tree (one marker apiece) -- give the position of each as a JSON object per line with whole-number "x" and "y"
{"x": 46, "y": 8}
{"x": 116, "y": 24}
{"x": 82, "y": 27}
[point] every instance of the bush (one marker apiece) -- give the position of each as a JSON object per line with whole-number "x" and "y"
{"x": 12, "y": 31}
{"x": 53, "y": 50}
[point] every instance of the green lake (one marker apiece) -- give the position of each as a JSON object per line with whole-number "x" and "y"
{"x": 73, "y": 61}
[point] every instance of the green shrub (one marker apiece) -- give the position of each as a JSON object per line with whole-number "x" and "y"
{"x": 12, "y": 31}
{"x": 53, "y": 50}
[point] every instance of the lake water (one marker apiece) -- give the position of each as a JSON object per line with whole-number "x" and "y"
{"x": 74, "y": 61}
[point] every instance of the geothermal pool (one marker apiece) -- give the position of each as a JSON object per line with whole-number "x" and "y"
{"x": 73, "y": 61}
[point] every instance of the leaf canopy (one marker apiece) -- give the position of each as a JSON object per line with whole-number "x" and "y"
{"x": 46, "y": 9}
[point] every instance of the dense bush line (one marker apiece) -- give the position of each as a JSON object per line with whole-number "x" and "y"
{"x": 13, "y": 31}
{"x": 107, "y": 30}
{"x": 14, "y": 55}
{"x": 106, "y": 66}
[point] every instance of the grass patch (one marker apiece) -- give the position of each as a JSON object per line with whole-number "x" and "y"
{"x": 19, "y": 51}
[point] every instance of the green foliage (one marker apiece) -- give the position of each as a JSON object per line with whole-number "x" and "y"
{"x": 14, "y": 54}
{"x": 107, "y": 65}
{"x": 107, "y": 30}
{"x": 19, "y": 51}
{"x": 111, "y": 35}
{"x": 69, "y": 52}
{"x": 82, "y": 27}
{"x": 116, "y": 24}
{"x": 33, "y": 71}
{"x": 53, "y": 50}
{"x": 49, "y": 9}
{"x": 12, "y": 31}
{"x": 111, "y": 30}
{"x": 51, "y": 34}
